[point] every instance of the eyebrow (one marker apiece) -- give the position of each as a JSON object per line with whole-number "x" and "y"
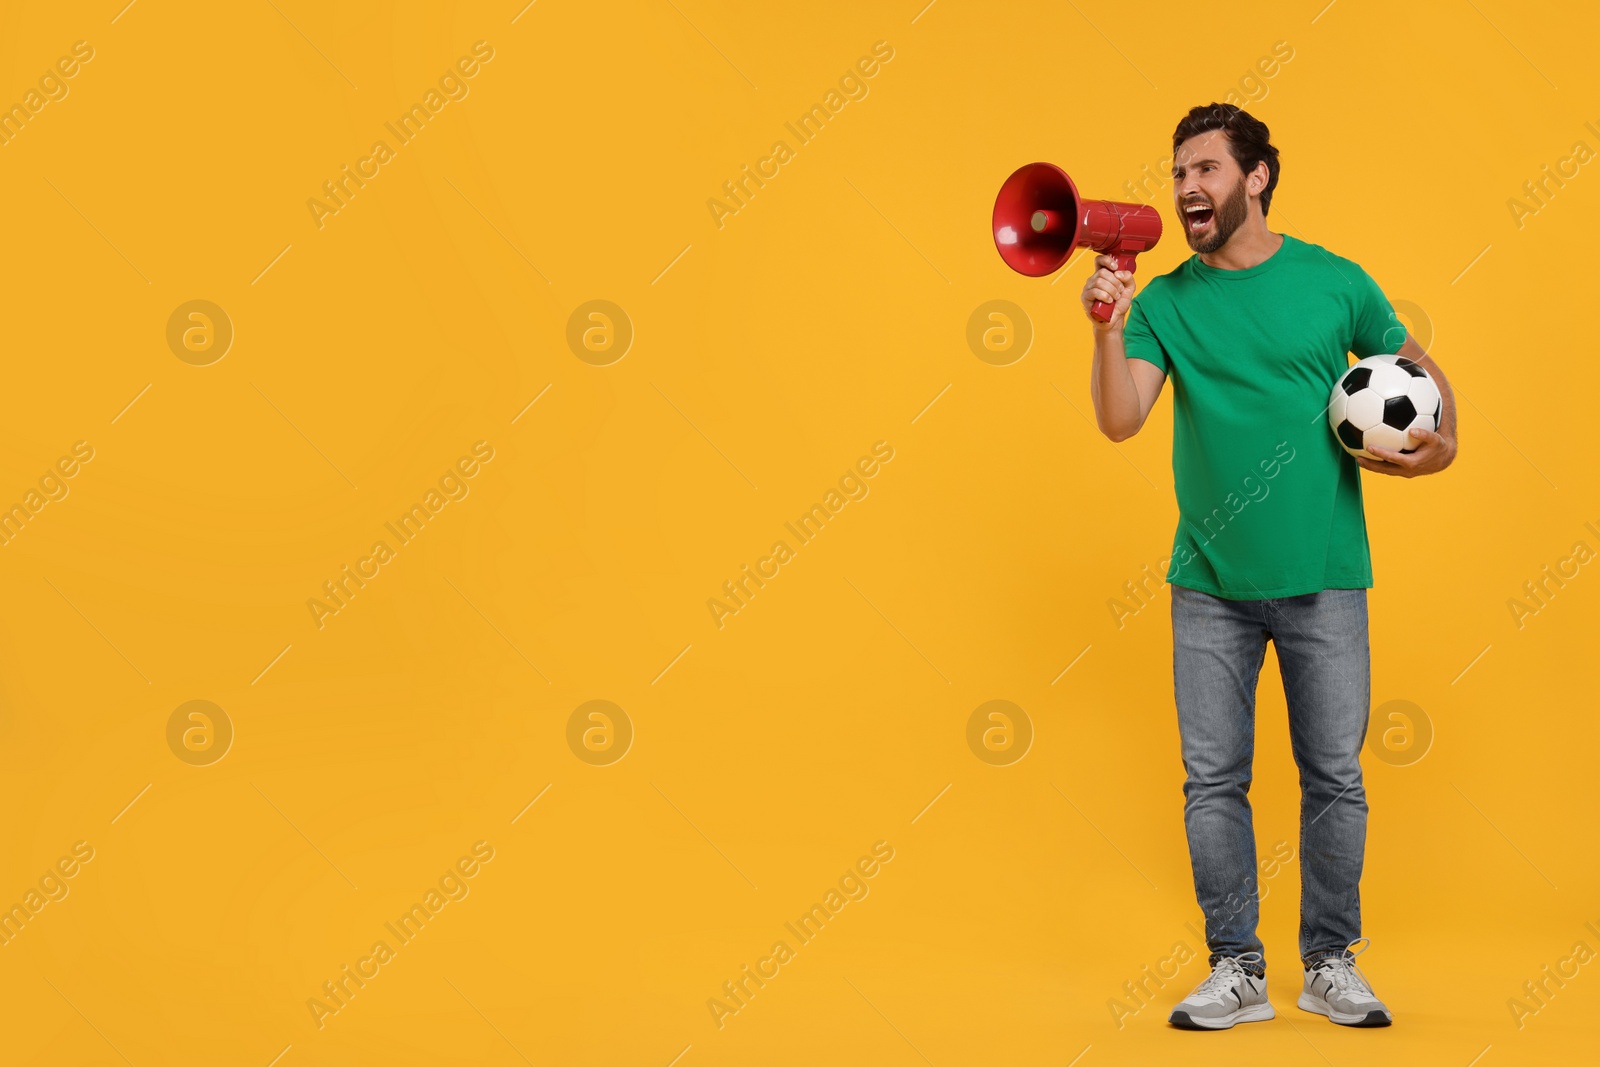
{"x": 1198, "y": 163}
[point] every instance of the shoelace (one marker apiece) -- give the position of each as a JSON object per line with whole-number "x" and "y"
{"x": 1227, "y": 970}
{"x": 1343, "y": 972}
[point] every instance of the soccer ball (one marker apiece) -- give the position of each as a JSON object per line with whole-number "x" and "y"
{"x": 1378, "y": 399}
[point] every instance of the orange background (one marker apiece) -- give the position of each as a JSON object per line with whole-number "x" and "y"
{"x": 764, "y": 757}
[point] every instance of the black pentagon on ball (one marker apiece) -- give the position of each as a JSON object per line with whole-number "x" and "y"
{"x": 1411, "y": 367}
{"x": 1438, "y": 413}
{"x": 1351, "y": 436}
{"x": 1399, "y": 412}
{"x": 1357, "y": 380}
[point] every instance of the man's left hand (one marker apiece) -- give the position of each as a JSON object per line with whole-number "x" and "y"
{"x": 1434, "y": 452}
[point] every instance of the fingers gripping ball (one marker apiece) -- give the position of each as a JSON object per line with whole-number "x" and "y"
{"x": 1378, "y": 400}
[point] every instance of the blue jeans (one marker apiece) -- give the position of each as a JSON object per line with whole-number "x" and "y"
{"x": 1218, "y": 647}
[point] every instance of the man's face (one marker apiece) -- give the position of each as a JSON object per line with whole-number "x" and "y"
{"x": 1205, "y": 176}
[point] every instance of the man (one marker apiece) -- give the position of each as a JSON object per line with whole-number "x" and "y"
{"x": 1254, "y": 329}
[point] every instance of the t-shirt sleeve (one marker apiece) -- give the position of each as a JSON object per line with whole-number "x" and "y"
{"x": 1376, "y": 329}
{"x": 1139, "y": 340}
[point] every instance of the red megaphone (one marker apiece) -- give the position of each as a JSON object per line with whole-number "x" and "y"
{"x": 1039, "y": 220}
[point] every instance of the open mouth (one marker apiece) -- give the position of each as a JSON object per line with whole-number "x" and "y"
{"x": 1197, "y": 217}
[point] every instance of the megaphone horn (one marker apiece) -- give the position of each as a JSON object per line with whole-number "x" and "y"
{"x": 1039, "y": 221}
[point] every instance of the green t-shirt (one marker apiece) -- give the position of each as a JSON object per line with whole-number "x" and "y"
{"x": 1269, "y": 504}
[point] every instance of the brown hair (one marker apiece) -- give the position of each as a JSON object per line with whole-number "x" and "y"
{"x": 1247, "y": 140}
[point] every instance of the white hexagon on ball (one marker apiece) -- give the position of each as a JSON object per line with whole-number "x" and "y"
{"x": 1364, "y": 410}
{"x": 1422, "y": 422}
{"x": 1389, "y": 380}
{"x": 1385, "y": 436}
{"x": 1337, "y": 407}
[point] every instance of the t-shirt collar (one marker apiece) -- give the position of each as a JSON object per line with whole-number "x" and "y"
{"x": 1207, "y": 271}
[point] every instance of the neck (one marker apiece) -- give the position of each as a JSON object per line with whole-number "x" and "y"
{"x": 1250, "y": 244}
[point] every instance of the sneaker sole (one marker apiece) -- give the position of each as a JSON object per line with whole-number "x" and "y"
{"x": 1317, "y": 1005}
{"x": 1254, "y": 1013}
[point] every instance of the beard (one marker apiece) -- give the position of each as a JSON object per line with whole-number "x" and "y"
{"x": 1226, "y": 217}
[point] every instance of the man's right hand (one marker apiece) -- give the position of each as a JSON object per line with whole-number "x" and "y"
{"x": 1111, "y": 286}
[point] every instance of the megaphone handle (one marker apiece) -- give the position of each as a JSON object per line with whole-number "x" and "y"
{"x": 1100, "y": 309}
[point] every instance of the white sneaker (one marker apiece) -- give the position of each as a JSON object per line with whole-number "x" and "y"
{"x": 1335, "y": 987}
{"x": 1230, "y": 994}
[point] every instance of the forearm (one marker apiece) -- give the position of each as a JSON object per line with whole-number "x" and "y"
{"x": 1447, "y": 398}
{"x": 1116, "y": 399}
